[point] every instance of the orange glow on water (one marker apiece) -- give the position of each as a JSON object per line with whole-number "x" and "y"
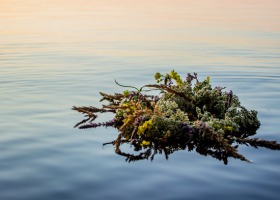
{"x": 140, "y": 22}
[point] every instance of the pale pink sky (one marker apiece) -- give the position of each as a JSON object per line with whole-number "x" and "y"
{"x": 112, "y": 20}
{"x": 145, "y": 24}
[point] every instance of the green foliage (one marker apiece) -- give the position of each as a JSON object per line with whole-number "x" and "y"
{"x": 185, "y": 115}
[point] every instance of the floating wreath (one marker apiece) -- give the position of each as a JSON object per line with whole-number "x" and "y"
{"x": 186, "y": 114}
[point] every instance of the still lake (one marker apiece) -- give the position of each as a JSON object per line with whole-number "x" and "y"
{"x": 57, "y": 54}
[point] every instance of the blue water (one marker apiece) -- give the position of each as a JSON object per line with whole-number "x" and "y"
{"x": 54, "y": 56}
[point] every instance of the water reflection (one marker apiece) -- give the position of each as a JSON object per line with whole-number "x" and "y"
{"x": 221, "y": 151}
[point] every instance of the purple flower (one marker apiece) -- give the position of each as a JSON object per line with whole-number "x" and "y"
{"x": 137, "y": 121}
{"x": 229, "y": 98}
{"x": 187, "y": 128}
{"x": 156, "y": 98}
{"x": 170, "y": 83}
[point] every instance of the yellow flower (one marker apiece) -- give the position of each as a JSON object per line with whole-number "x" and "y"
{"x": 173, "y": 74}
{"x": 145, "y": 143}
{"x": 176, "y": 77}
{"x": 149, "y": 123}
{"x": 157, "y": 76}
{"x": 125, "y": 93}
{"x": 141, "y": 130}
{"x": 146, "y": 125}
{"x": 208, "y": 79}
{"x": 125, "y": 104}
{"x": 229, "y": 128}
{"x": 125, "y": 120}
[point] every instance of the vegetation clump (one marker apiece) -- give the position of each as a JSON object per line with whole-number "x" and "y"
{"x": 186, "y": 114}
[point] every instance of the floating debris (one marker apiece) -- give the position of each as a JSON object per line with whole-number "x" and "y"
{"x": 185, "y": 115}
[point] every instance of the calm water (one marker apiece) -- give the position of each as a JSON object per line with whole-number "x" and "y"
{"x": 55, "y": 54}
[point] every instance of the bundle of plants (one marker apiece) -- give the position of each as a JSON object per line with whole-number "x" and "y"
{"x": 184, "y": 114}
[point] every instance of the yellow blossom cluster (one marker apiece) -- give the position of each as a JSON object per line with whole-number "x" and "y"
{"x": 145, "y": 143}
{"x": 174, "y": 75}
{"x": 145, "y": 126}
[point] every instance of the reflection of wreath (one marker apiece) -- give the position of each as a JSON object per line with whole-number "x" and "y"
{"x": 185, "y": 115}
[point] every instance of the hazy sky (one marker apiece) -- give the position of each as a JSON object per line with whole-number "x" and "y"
{"x": 133, "y": 21}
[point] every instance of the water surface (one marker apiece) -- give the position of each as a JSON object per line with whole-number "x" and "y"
{"x": 56, "y": 54}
